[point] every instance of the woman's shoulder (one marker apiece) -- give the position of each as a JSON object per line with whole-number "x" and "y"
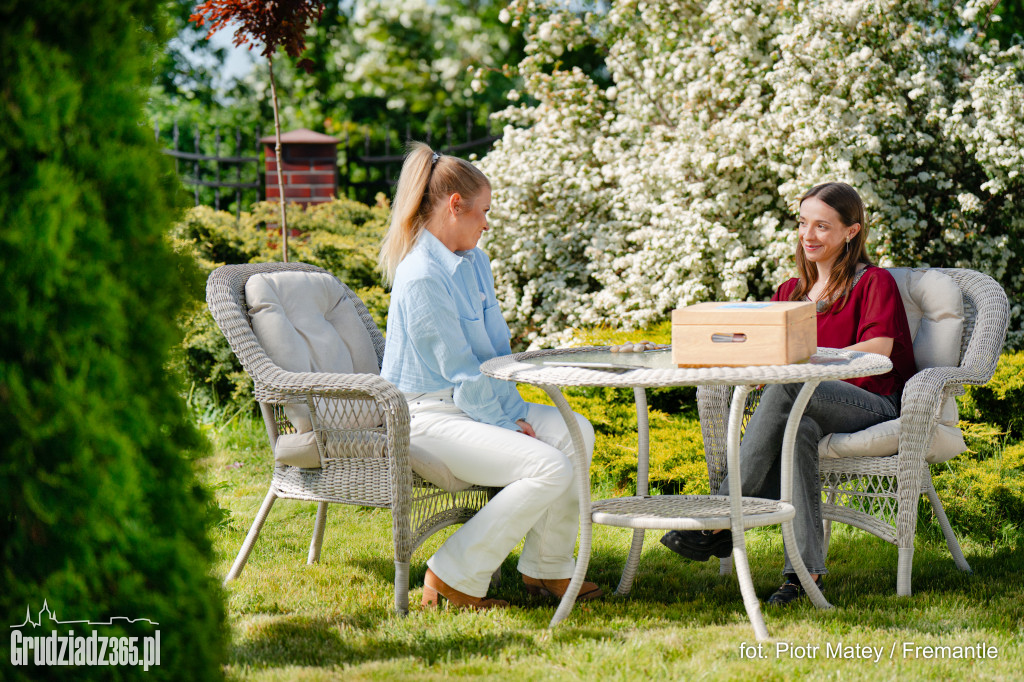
{"x": 785, "y": 289}
{"x": 876, "y": 276}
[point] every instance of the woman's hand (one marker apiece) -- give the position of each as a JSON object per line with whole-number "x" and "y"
{"x": 525, "y": 427}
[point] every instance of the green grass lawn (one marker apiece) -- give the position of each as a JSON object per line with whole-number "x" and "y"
{"x": 334, "y": 620}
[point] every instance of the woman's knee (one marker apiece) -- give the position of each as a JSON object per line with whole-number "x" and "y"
{"x": 542, "y": 462}
{"x": 552, "y": 429}
{"x": 559, "y": 472}
{"x": 779, "y": 394}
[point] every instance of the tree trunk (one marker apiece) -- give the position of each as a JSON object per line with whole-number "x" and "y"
{"x": 280, "y": 174}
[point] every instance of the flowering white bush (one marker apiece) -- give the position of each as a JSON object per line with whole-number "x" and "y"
{"x": 679, "y": 183}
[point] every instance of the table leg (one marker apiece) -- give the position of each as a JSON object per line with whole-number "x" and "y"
{"x": 581, "y": 474}
{"x": 643, "y": 454}
{"x": 786, "y": 489}
{"x": 739, "y": 542}
{"x": 632, "y": 563}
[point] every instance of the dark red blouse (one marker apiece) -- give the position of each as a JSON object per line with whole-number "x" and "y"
{"x": 874, "y": 309}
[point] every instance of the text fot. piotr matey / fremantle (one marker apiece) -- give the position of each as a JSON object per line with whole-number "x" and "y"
{"x": 873, "y": 653}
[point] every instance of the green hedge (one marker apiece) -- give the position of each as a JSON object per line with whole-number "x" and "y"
{"x": 984, "y": 498}
{"x": 1001, "y": 400}
{"x": 340, "y": 236}
{"x": 101, "y": 515}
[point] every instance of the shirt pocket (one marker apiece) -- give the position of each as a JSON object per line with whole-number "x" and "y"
{"x": 497, "y": 328}
{"x": 475, "y": 332}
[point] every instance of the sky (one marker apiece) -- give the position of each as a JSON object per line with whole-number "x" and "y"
{"x": 240, "y": 60}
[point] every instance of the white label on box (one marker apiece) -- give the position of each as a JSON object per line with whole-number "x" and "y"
{"x": 743, "y": 306}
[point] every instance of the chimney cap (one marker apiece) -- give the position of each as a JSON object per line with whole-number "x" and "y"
{"x": 300, "y": 136}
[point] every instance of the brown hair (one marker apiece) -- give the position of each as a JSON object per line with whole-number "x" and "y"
{"x": 847, "y": 203}
{"x": 428, "y": 178}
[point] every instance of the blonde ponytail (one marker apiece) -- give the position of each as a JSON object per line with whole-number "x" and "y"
{"x": 426, "y": 181}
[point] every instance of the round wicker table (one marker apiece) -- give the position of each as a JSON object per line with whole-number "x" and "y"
{"x": 597, "y": 366}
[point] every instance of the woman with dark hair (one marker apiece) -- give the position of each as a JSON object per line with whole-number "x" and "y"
{"x": 859, "y": 308}
{"x": 443, "y": 322}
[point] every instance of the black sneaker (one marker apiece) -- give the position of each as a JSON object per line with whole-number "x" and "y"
{"x": 699, "y": 545}
{"x": 791, "y": 591}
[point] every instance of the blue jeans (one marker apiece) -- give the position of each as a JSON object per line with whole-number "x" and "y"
{"x": 835, "y": 407}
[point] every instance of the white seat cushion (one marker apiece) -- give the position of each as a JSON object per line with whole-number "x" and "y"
{"x": 935, "y": 315}
{"x": 883, "y": 440}
{"x": 297, "y": 450}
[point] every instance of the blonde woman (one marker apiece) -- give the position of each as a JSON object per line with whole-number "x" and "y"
{"x": 443, "y": 322}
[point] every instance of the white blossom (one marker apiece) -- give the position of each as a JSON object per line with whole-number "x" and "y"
{"x": 679, "y": 183}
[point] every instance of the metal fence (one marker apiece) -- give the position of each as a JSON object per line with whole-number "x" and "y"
{"x": 229, "y": 177}
{"x": 366, "y": 167}
{"x": 363, "y": 174}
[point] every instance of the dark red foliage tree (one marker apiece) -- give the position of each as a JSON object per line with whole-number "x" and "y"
{"x": 274, "y": 23}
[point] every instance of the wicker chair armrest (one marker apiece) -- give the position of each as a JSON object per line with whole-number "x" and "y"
{"x": 923, "y": 385}
{"x": 389, "y": 399}
{"x": 922, "y": 399}
{"x": 333, "y": 385}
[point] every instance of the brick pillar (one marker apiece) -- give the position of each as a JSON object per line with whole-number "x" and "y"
{"x": 309, "y": 164}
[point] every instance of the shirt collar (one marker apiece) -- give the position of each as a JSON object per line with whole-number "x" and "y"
{"x": 440, "y": 253}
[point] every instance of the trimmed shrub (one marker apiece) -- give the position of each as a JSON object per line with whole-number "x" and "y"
{"x": 101, "y": 515}
{"x": 984, "y": 499}
{"x": 999, "y": 401}
{"x": 341, "y": 236}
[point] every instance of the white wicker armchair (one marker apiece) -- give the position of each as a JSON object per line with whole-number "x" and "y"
{"x": 880, "y": 494}
{"x": 366, "y": 464}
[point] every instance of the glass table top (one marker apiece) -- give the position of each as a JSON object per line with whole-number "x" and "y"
{"x": 606, "y": 359}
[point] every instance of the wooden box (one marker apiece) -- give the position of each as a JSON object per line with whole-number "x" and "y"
{"x": 743, "y": 333}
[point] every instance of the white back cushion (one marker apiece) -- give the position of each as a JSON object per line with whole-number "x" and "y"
{"x": 935, "y": 314}
{"x": 305, "y": 323}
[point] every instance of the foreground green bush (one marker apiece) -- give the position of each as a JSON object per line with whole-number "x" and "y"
{"x": 340, "y": 236}
{"x": 101, "y": 515}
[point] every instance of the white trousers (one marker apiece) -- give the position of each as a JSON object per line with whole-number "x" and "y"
{"x": 538, "y": 499}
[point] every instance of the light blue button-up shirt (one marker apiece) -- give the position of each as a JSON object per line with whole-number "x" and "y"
{"x": 443, "y": 322}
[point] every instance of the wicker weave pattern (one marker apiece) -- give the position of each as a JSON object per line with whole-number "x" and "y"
{"x": 880, "y": 494}
{"x": 670, "y": 512}
{"x": 368, "y": 465}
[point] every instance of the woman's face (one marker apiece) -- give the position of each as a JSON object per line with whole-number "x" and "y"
{"x": 822, "y": 232}
{"x": 470, "y": 221}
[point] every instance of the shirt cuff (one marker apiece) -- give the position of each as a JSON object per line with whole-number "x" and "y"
{"x": 509, "y": 424}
